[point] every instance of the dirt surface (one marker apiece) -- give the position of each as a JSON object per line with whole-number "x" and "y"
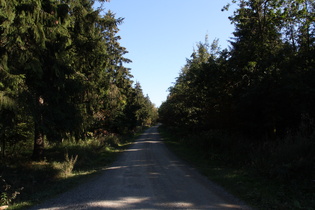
{"x": 146, "y": 176}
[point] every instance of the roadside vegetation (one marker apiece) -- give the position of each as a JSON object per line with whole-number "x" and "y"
{"x": 67, "y": 164}
{"x": 251, "y": 107}
{"x": 246, "y": 113}
{"x": 66, "y": 98}
{"x": 257, "y": 185}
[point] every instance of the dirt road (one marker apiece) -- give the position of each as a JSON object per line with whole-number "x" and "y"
{"x": 146, "y": 176}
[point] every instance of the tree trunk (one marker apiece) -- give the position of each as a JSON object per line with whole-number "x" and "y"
{"x": 3, "y": 145}
{"x": 39, "y": 146}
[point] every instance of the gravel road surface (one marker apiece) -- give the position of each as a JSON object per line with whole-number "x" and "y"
{"x": 146, "y": 176}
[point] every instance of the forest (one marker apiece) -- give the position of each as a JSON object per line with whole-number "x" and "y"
{"x": 252, "y": 104}
{"x": 62, "y": 79}
{"x": 64, "y": 83}
{"x": 63, "y": 75}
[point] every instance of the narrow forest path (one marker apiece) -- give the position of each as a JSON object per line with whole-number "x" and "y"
{"x": 146, "y": 176}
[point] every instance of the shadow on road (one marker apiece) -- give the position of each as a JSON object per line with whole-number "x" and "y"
{"x": 146, "y": 176}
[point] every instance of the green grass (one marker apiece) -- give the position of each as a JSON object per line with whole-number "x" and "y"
{"x": 59, "y": 172}
{"x": 244, "y": 182}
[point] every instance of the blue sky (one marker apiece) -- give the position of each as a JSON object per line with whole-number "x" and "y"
{"x": 161, "y": 34}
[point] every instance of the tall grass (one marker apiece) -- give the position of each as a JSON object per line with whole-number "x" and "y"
{"x": 64, "y": 166}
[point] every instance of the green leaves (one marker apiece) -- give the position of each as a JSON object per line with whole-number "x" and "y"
{"x": 62, "y": 65}
{"x": 254, "y": 87}
{"x": 5, "y": 101}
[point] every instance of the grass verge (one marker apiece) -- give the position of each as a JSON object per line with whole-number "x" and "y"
{"x": 65, "y": 166}
{"x": 244, "y": 182}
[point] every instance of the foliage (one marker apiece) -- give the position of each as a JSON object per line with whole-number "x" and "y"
{"x": 252, "y": 187}
{"x": 7, "y": 193}
{"x": 253, "y": 103}
{"x": 66, "y": 164}
{"x": 260, "y": 87}
{"x": 62, "y": 74}
{"x": 62, "y": 79}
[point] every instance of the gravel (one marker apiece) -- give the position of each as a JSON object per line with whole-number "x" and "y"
{"x": 146, "y": 176}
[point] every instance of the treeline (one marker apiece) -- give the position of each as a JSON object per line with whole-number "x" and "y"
{"x": 253, "y": 102}
{"x": 62, "y": 74}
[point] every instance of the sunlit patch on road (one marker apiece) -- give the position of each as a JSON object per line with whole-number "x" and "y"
{"x": 121, "y": 203}
{"x": 147, "y": 176}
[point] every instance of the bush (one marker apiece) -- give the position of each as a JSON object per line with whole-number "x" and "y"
{"x": 8, "y": 193}
{"x": 66, "y": 167}
{"x": 289, "y": 158}
{"x": 294, "y": 158}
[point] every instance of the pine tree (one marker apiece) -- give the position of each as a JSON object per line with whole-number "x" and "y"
{"x": 47, "y": 52}
{"x": 63, "y": 67}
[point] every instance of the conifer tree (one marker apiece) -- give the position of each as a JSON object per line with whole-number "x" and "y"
{"x": 47, "y": 52}
{"x": 63, "y": 68}
{"x": 118, "y": 75}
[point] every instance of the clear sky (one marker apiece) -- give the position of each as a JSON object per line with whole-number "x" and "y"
{"x": 161, "y": 34}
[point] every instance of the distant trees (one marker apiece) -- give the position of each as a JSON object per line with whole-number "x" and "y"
{"x": 61, "y": 72}
{"x": 253, "y": 104}
{"x": 262, "y": 86}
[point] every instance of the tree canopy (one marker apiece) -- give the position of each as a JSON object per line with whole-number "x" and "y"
{"x": 252, "y": 105}
{"x": 262, "y": 85}
{"x": 62, "y": 72}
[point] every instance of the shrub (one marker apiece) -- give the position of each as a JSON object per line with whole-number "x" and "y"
{"x": 66, "y": 167}
{"x": 8, "y": 193}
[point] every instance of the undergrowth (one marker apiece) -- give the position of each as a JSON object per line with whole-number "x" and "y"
{"x": 66, "y": 164}
{"x": 272, "y": 175}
